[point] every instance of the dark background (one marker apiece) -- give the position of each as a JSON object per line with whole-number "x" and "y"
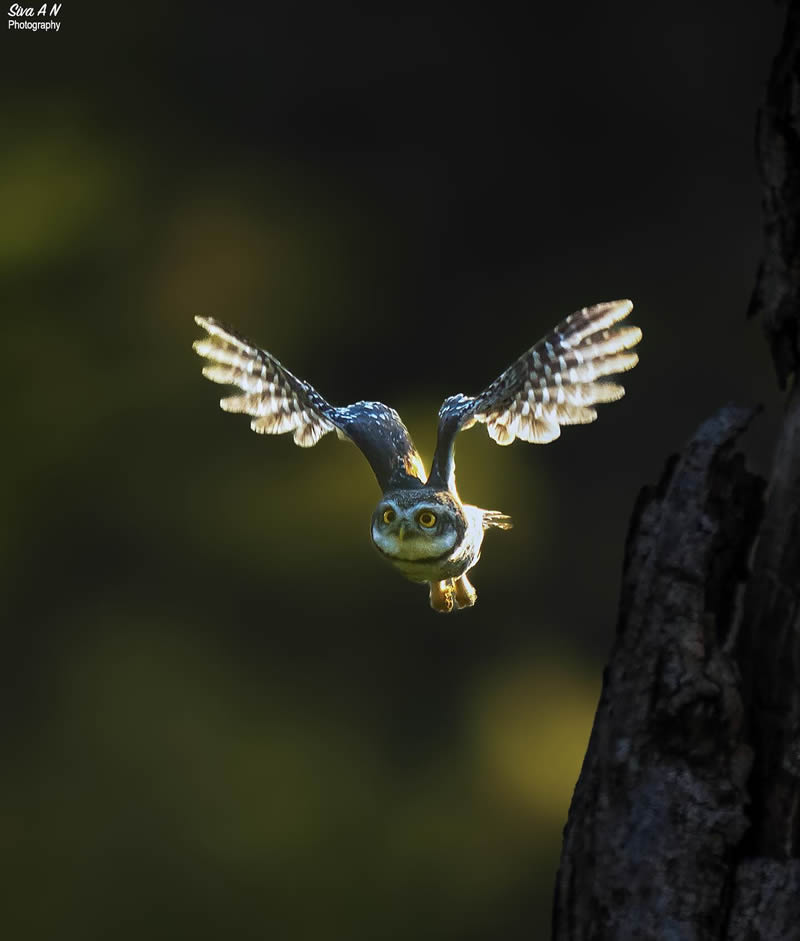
{"x": 223, "y": 715}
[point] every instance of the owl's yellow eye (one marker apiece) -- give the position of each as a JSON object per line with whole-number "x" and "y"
{"x": 427, "y": 519}
{"x": 388, "y": 516}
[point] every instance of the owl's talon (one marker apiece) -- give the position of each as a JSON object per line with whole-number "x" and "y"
{"x": 465, "y": 593}
{"x": 442, "y": 596}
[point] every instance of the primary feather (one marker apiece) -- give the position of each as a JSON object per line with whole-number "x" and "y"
{"x": 280, "y": 402}
{"x": 558, "y": 381}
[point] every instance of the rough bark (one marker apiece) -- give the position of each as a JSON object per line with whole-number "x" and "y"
{"x": 685, "y": 821}
{"x": 660, "y": 805}
{"x": 777, "y": 290}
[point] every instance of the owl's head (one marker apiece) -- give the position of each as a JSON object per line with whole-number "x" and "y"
{"x": 418, "y": 525}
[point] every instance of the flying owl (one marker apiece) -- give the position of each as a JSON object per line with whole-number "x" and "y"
{"x": 420, "y": 526}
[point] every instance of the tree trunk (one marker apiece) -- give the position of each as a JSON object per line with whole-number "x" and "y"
{"x": 685, "y": 822}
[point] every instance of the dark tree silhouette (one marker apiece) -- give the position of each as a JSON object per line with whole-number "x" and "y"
{"x": 685, "y": 822}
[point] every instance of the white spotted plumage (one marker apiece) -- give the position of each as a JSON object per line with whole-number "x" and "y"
{"x": 559, "y": 377}
{"x": 559, "y": 381}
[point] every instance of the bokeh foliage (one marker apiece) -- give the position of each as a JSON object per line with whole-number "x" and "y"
{"x": 224, "y": 715}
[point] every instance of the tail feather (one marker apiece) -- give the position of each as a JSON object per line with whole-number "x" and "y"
{"x": 494, "y": 519}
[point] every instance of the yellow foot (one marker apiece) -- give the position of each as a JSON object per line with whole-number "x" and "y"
{"x": 442, "y": 596}
{"x": 465, "y": 593}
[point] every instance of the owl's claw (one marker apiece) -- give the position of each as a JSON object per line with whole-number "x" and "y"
{"x": 452, "y": 593}
{"x": 466, "y": 596}
{"x": 443, "y": 596}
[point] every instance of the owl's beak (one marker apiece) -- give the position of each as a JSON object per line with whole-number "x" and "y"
{"x": 402, "y": 529}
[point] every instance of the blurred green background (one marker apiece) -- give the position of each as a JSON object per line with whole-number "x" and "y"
{"x": 224, "y": 716}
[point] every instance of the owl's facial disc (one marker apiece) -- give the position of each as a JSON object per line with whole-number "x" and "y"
{"x": 416, "y": 532}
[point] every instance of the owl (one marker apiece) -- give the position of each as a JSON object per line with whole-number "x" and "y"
{"x": 420, "y": 526}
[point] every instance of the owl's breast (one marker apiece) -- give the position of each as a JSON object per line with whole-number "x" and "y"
{"x": 451, "y": 564}
{"x": 427, "y": 570}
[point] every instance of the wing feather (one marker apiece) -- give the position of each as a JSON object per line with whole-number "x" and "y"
{"x": 556, "y": 382}
{"x": 279, "y": 402}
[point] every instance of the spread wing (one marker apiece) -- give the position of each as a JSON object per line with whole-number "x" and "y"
{"x": 556, "y": 382}
{"x": 279, "y": 402}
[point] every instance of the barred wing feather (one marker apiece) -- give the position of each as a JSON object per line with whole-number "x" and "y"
{"x": 556, "y": 382}
{"x": 279, "y": 402}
